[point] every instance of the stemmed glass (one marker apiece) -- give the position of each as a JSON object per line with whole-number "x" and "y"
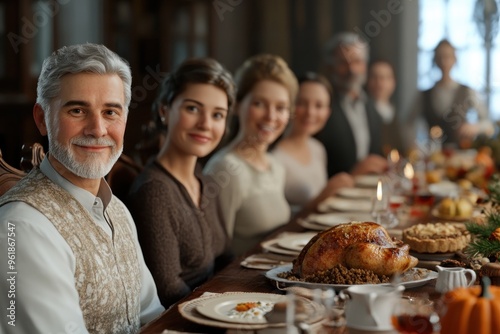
{"x": 333, "y": 306}
{"x": 381, "y": 212}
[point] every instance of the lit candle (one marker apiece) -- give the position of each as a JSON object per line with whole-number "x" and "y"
{"x": 409, "y": 174}
{"x": 408, "y": 171}
{"x": 394, "y": 156}
{"x": 379, "y": 190}
{"x": 379, "y": 200}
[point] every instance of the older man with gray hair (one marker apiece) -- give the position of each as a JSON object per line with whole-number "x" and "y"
{"x": 74, "y": 264}
{"x": 352, "y": 134}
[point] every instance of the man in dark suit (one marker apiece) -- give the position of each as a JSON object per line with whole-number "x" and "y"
{"x": 352, "y": 134}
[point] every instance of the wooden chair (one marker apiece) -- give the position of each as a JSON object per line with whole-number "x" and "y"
{"x": 31, "y": 156}
{"x": 8, "y": 175}
{"x": 122, "y": 175}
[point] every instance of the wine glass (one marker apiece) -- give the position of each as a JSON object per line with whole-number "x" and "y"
{"x": 415, "y": 315}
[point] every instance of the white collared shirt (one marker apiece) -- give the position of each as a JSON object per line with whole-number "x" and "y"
{"x": 385, "y": 110}
{"x": 44, "y": 293}
{"x": 355, "y": 111}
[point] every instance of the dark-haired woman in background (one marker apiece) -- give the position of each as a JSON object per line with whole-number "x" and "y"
{"x": 179, "y": 223}
{"x": 448, "y": 104}
{"x": 303, "y": 156}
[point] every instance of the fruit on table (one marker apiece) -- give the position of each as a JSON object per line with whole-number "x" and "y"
{"x": 447, "y": 207}
{"x": 433, "y": 176}
{"x": 464, "y": 208}
{"x": 465, "y": 184}
{"x": 459, "y": 208}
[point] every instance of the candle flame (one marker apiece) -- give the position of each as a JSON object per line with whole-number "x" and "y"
{"x": 379, "y": 190}
{"x": 394, "y": 156}
{"x": 408, "y": 171}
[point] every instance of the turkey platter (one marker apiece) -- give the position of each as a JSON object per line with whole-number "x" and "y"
{"x": 357, "y": 245}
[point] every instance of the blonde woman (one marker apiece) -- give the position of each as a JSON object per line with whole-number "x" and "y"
{"x": 250, "y": 180}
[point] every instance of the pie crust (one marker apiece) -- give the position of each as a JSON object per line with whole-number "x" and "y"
{"x": 436, "y": 237}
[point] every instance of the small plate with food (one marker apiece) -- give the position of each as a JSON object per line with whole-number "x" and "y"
{"x": 243, "y": 310}
{"x": 240, "y": 308}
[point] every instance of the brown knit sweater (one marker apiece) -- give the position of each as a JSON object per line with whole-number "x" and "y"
{"x": 182, "y": 244}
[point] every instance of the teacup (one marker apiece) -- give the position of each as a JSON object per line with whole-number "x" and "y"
{"x": 369, "y": 307}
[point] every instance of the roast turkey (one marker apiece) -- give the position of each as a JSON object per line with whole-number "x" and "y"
{"x": 360, "y": 245}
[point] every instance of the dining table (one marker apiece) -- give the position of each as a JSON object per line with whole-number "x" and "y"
{"x": 235, "y": 277}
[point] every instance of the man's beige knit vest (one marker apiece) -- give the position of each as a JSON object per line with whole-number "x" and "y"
{"x": 107, "y": 275}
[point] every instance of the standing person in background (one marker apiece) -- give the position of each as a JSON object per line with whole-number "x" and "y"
{"x": 380, "y": 86}
{"x": 303, "y": 156}
{"x": 448, "y": 104}
{"x": 352, "y": 134}
{"x": 80, "y": 266}
{"x": 251, "y": 181}
{"x": 179, "y": 222}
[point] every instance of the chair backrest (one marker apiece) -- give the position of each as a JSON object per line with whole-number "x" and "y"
{"x": 31, "y": 156}
{"x": 122, "y": 175}
{"x": 8, "y": 175}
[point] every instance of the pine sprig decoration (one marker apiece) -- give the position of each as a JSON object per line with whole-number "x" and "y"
{"x": 481, "y": 244}
{"x": 484, "y": 248}
{"x": 484, "y": 231}
{"x": 494, "y": 189}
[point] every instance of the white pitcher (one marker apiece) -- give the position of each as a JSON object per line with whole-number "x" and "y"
{"x": 452, "y": 278}
{"x": 369, "y": 307}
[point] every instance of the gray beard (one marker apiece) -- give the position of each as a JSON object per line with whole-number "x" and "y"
{"x": 92, "y": 168}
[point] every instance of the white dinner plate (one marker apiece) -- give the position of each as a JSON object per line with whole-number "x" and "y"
{"x": 335, "y": 218}
{"x": 272, "y": 246}
{"x": 273, "y": 275}
{"x": 356, "y": 192}
{"x": 189, "y": 310}
{"x": 309, "y": 225}
{"x": 222, "y": 307}
{"x": 344, "y": 204}
{"x": 444, "y": 188}
{"x": 366, "y": 181}
{"x": 295, "y": 242}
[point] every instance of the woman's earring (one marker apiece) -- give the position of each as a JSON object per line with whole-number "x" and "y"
{"x": 162, "y": 118}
